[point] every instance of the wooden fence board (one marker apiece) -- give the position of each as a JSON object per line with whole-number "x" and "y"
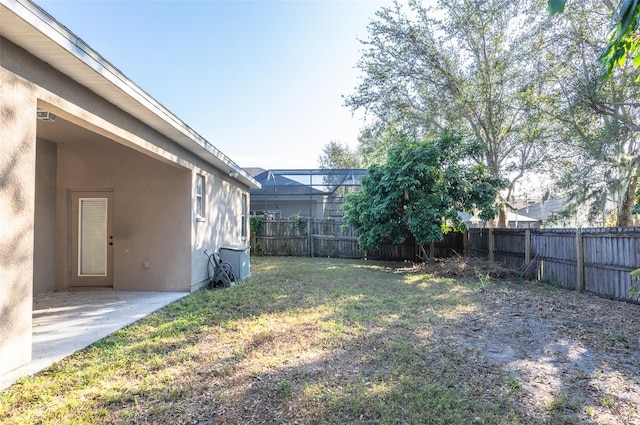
{"x": 607, "y": 256}
{"x": 331, "y": 239}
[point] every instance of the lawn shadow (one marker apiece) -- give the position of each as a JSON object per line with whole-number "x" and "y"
{"x": 566, "y": 351}
{"x": 536, "y": 344}
{"x": 329, "y": 341}
{"x": 378, "y": 360}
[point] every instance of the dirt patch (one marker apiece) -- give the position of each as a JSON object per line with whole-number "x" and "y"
{"x": 568, "y": 352}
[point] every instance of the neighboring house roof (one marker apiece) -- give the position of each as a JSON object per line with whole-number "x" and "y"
{"x": 466, "y": 217}
{"x": 254, "y": 171}
{"x": 307, "y": 183}
{"x": 30, "y": 27}
{"x": 511, "y": 218}
{"x": 273, "y": 184}
{"x": 543, "y": 210}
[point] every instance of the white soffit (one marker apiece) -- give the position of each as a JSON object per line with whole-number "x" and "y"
{"x": 28, "y": 26}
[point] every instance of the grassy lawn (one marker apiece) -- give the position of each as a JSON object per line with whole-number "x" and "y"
{"x": 301, "y": 341}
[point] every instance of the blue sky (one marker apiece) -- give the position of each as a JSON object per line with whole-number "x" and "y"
{"x": 261, "y": 80}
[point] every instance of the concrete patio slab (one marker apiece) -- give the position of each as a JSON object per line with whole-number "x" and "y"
{"x": 64, "y": 322}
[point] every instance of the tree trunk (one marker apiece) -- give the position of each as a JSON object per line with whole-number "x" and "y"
{"x": 502, "y": 212}
{"x": 422, "y": 253}
{"x": 624, "y": 218}
{"x": 502, "y": 217}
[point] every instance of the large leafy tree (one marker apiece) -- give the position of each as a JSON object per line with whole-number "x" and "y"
{"x": 420, "y": 189}
{"x": 623, "y": 39}
{"x": 623, "y": 42}
{"x": 338, "y": 155}
{"x": 465, "y": 64}
{"x": 597, "y": 163}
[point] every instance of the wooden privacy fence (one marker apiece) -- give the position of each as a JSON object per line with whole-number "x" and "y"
{"x": 302, "y": 237}
{"x": 597, "y": 260}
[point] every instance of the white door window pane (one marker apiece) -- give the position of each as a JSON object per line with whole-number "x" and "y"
{"x": 92, "y": 237}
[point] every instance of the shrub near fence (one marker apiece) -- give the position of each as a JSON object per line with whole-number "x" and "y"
{"x": 329, "y": 238}
{"x": 597, "y": 260}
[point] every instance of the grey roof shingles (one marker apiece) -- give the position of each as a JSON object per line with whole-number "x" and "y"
{"x": 542, "y": 210}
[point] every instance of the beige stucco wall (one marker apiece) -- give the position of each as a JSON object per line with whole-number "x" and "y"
{"x": 151, "y": 177}
{"x": 44, "y": 258}
{"x": 17, "y": 176}
{"x": 70, "y": 101}
{"x": 151, "y": 213}
{"x": 221, "y": 225}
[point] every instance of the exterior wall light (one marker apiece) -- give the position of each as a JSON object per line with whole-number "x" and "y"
{"x": 45, "y": 115}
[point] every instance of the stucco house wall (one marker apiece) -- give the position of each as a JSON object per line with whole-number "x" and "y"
{"x": 17, "y": 181}
{"x": 109, "y": 137}
{"x": 44, "y": 244}
{"x": 151, "y": 214}
{"x": 222, "y": 224}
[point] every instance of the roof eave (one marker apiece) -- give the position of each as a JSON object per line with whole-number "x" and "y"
{"x": 55, "y": 44}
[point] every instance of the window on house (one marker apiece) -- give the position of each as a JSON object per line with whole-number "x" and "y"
{"x": 244, "y": 216}
{"x": 200, "y": 187}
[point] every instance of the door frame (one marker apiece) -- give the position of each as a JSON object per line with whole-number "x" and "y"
{"x": 94, "y": 281}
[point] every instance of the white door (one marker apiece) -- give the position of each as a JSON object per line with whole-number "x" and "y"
{"x": 92, "y": 238}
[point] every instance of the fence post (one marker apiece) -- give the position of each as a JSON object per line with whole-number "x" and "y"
{"x": 491, "y": 245}
{"x": 580, "y": 260}
{"x": 527, "y": 247}
{"x": 310, "y": 233}
{"x": 465, "y": 243}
